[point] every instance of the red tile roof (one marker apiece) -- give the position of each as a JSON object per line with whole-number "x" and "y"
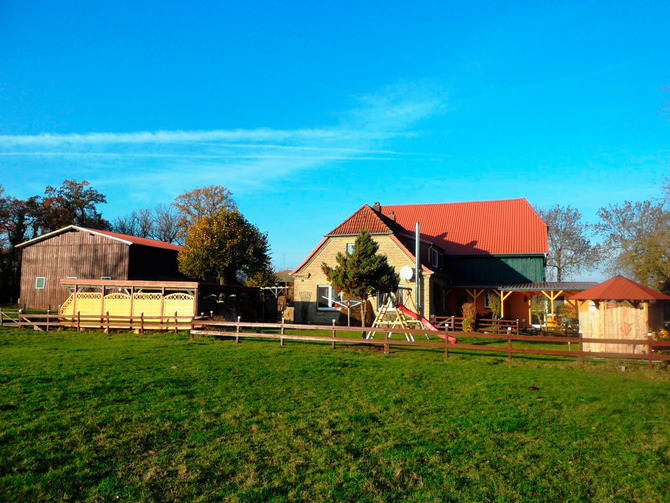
{"x": 365, "y": 218}
{"x": 508, "y": 226}
{"x": 620, "y": 288}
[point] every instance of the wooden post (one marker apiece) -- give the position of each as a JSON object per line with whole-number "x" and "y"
{"x": 107, "y": 330}
{"x": 142, "y": 322}
{"x": 237, "y": 337}
{"x": 176, "y": 323}
{"x": 446, "y": 346}
{"x": 334, "y": 335}
{"x": 48, "y": 315}
{"x": 2, "y": 323}
{"x": 78, "y": 321}
{"x": 649, "y": 350}
{"x": 509, "y": 343}
{"x": 581, "y": 346}
{"x": 191, "y": 338}
{"x": 517, "y": 326}
{"x": 453, "y": 323}
{"x": 283, "y": 331}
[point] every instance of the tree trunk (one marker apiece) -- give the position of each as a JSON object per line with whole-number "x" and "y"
{"x": 363, "y": 311}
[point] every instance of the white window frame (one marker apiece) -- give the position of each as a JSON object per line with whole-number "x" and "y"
{"x": 332, "y": 295}
{"x": 37, "y": 282}
{"x": 350, "y": 248}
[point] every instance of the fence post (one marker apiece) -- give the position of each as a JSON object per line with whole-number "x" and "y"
{"x": 78, "y": 321}
{"x": 142, "y": 322}
{"x": 649, "y": 350}
{"x": 453, "y": 323}
{"x": 237, "y": 337}
{"x": 446, "y": 346}
{"x": 190, "y": 334}
{"x": 48, "y": 315}
{"x": 2, "y": 322}
{"x": 581, "y": 346}
{"x": 509, "y": 343}
{"x": 107, "y": 329}
{"x": 517, "y": 326}
{"x": 176, "y": 323}
{"x": 281, "y": 339}
{"x": 334, "y": 335}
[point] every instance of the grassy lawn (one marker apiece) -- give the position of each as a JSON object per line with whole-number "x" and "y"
{"x": 155, "y": 417}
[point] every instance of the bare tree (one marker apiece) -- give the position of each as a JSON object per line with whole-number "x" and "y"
{"x": 570, "y": 249}
{"x": 125, "y": 224}
{"x": 637, "y": 236}
{"x": 166, "y": 224}
{"x": 145, "y": 223}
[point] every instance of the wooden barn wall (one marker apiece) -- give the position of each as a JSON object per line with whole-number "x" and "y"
{"x": 77, "y": 254}
{"x": 153, "y": 264}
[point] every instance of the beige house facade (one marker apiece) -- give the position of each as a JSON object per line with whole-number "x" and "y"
{"x": 315, "y": 299}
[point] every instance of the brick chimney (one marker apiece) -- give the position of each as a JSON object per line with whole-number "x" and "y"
{"x": 392, "y": 215}
{"x": 377, "y": 206}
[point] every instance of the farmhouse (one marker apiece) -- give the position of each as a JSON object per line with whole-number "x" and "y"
{"x": 468, "y": 252}
{"x": 79, "y": 253}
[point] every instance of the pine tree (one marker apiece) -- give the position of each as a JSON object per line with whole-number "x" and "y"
{"x": 363, "y": 273}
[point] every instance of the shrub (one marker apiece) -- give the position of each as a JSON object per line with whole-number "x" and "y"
{"x": 495, "y": 306}
{"x": 469, "y": 316}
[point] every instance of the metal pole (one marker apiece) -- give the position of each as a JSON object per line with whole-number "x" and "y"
{"x": 417, "y": 280}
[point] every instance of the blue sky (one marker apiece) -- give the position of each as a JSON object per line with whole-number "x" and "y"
{"x": 308, "y": 110}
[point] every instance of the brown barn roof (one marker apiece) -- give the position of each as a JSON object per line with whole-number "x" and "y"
{"x": 124, "y": 238}
{"x": 620, "y": 288}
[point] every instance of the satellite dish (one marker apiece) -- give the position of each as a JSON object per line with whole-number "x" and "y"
{"x": 406, "y": 273}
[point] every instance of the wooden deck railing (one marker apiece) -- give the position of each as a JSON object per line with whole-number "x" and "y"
{"x": 109, "y": 322}
{"x": 471, "y": 341}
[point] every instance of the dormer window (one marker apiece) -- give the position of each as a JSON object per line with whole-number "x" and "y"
{"x": 434, "y": 257}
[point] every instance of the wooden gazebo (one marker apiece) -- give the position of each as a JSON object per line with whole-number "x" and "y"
{"x": 619, "y": 308}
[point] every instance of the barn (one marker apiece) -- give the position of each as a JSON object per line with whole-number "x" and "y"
{"x": 619, "y": 308}
{"x": 75, "y": 252}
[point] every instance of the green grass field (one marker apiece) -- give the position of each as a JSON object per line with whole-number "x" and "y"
{"x": 154, "y": 417}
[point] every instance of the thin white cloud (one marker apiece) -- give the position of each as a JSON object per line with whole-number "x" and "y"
{"x": 247, "y": 157}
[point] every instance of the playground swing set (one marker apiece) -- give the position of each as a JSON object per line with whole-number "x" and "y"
{"x": 404, "y": 317}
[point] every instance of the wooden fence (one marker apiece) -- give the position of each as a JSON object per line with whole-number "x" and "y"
{"x": 486, "y": 325}
{"x": 6, "y": 320}
{"x": 486, "y": 342}
{"x": 109, "y": 322}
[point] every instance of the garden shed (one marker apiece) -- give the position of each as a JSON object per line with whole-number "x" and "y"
{"x": 619, "y": 308}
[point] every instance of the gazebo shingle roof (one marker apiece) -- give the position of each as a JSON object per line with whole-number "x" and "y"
{"x": 620, "y": 288}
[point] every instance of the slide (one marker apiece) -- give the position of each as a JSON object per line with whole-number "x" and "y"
{"x": 427, "y": 324}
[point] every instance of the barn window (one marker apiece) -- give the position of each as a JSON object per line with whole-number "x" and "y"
{"x": 40, "y": 281}
{"x": 106, "y": 277}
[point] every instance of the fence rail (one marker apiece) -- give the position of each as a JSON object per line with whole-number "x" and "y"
{"x": 240, "y": 330}
{"x": 109, "y": 322}
{"x": 6, "y": 320}
{"x": 455, "y": 324}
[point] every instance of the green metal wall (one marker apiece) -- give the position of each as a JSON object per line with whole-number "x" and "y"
{"x": 496, "y": 269}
